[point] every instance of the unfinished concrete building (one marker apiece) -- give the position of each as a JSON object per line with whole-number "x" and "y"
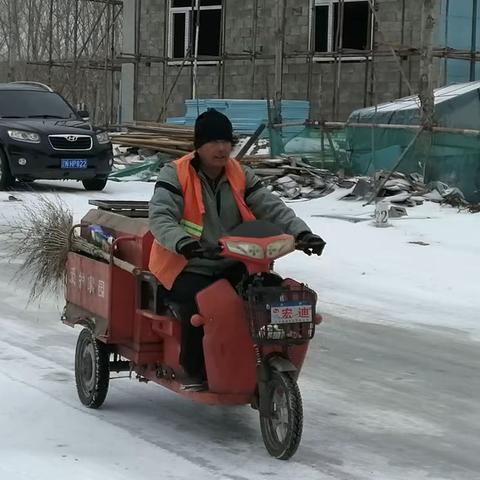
{"x": 141, "y": 59}
{"x": 338, "y": 54}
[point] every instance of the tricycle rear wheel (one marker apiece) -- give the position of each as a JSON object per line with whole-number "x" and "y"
{"x": 92, "y": 372}
{"x": 282, "y": 429}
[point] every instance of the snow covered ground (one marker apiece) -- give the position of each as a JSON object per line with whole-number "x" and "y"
{"x": 424, "y": 269}
{"x": 366, "y": 273}
{"x": 421, "y": 272}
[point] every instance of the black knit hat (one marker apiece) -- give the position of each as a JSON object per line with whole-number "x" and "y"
{"x": 212, "y": 125}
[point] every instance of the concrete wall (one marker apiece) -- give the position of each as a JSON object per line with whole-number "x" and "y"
{"x": 244, "y": 78}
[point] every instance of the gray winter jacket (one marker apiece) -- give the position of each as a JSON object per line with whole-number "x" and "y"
{"x": 221, "y": 216}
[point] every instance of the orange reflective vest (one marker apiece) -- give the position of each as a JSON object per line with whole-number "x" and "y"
{"x": 166, "y": 265}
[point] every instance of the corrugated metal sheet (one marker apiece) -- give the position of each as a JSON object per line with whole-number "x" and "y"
{"x": 443, "y": 94}
{"x": 456, "y": 106}
{"x": 245, "y": 115}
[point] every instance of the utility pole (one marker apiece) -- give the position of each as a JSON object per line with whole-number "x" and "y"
{"x": 75, "y": 53}
{"x": 50, "y": 43}
{"x": 275, "y": 116}
{"x": 13, "y": 40}
{"x": 426, "y": 65}
{"x": 279, "y": 57}
{"x": 195, "y": 39}
{"x": 427, "y": 99}
{"x": 473, "y": 63}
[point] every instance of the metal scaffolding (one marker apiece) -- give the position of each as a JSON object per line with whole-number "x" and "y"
{"x": 76, "y": 45}
{"x": 401, "y": 54}
{"x": 71, "y": 45}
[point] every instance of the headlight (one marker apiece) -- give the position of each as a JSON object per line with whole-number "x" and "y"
{"x": 103, "y": 138}
{"x": 280, "y": 247}
{"x": 251, "y": 250}
{"x": 22, "y": 136}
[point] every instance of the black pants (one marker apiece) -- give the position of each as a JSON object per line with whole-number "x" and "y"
{"x": 183, "y": 291}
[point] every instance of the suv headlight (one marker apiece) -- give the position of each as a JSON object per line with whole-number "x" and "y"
{"x": 251, "y": 250}
{"x": 23, "y": 136}
{"x": 103, "y": 138}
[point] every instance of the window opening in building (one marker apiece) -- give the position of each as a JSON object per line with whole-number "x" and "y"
{"x": 183, "y": 17}
{"x": 356, "y": 34}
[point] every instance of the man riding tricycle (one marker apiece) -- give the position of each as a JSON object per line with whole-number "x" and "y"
{"x": 200, "y": 311}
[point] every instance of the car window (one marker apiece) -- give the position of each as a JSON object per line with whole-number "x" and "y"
{"x": 24, "y": 104}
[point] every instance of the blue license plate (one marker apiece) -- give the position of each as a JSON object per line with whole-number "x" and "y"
{"x": 76, "y": 163}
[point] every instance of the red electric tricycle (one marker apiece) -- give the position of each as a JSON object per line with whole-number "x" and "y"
{"x": 256, "y": 335}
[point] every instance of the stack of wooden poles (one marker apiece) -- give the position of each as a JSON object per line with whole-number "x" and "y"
{"x": 161, "y": 137}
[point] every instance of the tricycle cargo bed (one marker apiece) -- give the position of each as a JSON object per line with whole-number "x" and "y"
{"x": 104, "y": 293}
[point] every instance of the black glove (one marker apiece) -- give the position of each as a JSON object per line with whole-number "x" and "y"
{"x": 194, "y": 249}
{"x": 191, "y": 250}
{"x": 310, "y": 243}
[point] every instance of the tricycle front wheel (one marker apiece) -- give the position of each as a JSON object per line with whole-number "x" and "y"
{"x": 92, "y": 372}
{"x": 282, "y": 429}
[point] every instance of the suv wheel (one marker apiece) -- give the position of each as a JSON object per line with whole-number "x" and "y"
{"x": 6, "y": 179}
{"x": 94, "y": 183}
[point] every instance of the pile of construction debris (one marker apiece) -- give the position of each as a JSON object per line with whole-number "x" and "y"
{"x": 159, "y": 137}
{"x": 405, "y": 189}
{"x": 288, "y": 177}
{"x": 151, "y": 145}
{"x": 293, "y": 178}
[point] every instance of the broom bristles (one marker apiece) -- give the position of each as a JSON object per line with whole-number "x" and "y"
{"x": 39, "y": 234}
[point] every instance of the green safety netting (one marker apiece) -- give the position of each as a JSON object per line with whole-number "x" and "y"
{"x": 452, "y": 157}
{"x": 320, "y": 147}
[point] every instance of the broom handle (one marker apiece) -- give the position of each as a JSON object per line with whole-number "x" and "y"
{"x": 81, "y": 245}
